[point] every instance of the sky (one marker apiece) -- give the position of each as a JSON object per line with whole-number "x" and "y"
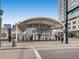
{"x": 19, "y": 10}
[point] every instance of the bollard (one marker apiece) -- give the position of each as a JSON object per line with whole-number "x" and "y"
{"x": 0, "y": 43}
{"x": 13, "y": 43}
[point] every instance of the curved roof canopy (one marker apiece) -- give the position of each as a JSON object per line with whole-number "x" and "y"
{"x": 23, "y": 25}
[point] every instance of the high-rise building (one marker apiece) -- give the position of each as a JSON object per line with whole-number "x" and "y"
{"x": 14, "y": 27}
{"x": 7, "y": 26}
{"x": 73, "y": 17}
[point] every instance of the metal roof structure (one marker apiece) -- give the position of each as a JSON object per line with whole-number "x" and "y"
{"x": 40, "y": 20}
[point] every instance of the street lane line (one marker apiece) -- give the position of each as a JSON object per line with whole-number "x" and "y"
{"x": 37, "y": 54}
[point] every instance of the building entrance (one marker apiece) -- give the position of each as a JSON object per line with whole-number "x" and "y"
{"x": 37, "y": 29}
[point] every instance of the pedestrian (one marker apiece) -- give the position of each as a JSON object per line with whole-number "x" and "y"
{"x": 23, "y": 38}
{"x": 62, "y": 38}
{"x": 56, "y": 37}
{"x": 31, "y": 38}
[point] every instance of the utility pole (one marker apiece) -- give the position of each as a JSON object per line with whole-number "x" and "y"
{"x": 1, "y": 13}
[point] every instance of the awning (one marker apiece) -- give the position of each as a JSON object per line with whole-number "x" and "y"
{"x": 54, "y": 23}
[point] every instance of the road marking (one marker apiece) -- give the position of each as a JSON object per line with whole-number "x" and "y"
{"x": 37, "y": 54}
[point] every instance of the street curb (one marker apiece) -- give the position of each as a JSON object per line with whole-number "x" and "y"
{"x": 13, "y": 48}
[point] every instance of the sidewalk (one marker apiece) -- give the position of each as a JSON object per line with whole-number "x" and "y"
{"x": 39, "y": 44}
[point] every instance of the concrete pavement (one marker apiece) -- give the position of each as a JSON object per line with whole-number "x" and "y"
{"x": 40, "y": 44}
{"x": 40, "y": 50}
{"x": 17, "y": 54}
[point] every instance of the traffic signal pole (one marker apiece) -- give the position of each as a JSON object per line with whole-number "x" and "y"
{"x": 66, "y": 19}
{"x": 66, "y": 23}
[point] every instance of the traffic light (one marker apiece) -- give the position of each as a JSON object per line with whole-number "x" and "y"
{"x": 9, "y": 34}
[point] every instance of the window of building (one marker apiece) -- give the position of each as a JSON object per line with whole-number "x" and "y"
{"x": 74, "y": 22}
{"x": 69, "y": 27}
{"x": 42, "y": 25}
{"x": 74, "y": 27}
{"x": 36, "y": 25}
{"x": 48, "y": 26}
{"x": 29, "y": 26}
{"x": 69, "y": 23}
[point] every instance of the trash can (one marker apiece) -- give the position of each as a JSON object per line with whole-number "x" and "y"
{"x": 13, "y": 43}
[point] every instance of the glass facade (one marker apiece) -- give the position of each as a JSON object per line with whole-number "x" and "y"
{"x": 38, "y": 32}
{"x": 7, "y": 26}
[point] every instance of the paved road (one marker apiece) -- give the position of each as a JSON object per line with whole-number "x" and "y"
{"x": 17, "y": 54}
{"x": 43, "y": 53}
{"x": 40, "y": 50}
{"x": 68, "y": 53}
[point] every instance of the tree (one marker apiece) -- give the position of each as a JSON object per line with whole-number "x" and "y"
{"x": 3, "y": 35}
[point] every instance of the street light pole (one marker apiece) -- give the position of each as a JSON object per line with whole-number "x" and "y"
{"x": 66, "y": 22}
{"x": 1, "y": 13}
